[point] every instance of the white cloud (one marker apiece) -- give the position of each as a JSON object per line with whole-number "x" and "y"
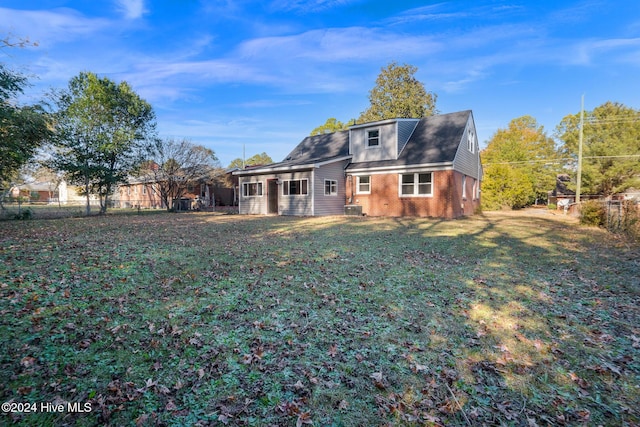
{"x": 48, "y": 27}
{"x": 309, "y": 6}
{"x": 131, "y": 9}
{"x": 339, "y": 44}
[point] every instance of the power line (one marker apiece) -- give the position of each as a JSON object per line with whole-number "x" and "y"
{"x": 561, "y": 159}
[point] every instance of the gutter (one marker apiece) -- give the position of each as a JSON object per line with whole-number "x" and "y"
{"x": 283, "y": 168}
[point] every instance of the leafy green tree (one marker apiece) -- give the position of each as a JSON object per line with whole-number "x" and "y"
{"x": 505, "y": 187}
{"x": 257, "y": 159}
{"x": 398, "y": 94}
{"x": 520, "y": 165}
{"x": 104, "y": 131}
{"x": 331, "y": 125}
{"x": 22, "y": 128}
{"x": 176, "y": 164}
{"x": 611, "y": 147}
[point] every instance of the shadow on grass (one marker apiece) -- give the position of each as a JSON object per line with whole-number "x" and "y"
{"x": 207, "y": 319}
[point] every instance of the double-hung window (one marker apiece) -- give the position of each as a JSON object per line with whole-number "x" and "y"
{"x": 416, "y": 184}
{"x": 373, "y": 138}
{"x": 295, "y": 187}
{"x": 330, "y": 187}
{"x": 363, "y": 185}
{"x": 251, "y": 189}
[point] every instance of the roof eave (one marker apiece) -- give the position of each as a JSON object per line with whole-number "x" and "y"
{"x": 287, "y": 168}
{"x": 397, "y": 167}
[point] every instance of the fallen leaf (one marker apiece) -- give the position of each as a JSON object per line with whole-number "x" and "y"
{"x": 333, "y": 350}
{"x": 142, "y": 419}
{"x": 304, "y": 418}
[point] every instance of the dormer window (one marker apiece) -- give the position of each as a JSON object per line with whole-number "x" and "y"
{"x": 373, "y": 138}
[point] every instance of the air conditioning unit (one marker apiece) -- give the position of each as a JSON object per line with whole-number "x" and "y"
{"x": 353, "y": 210}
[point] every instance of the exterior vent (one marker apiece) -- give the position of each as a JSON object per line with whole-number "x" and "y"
{"x": 353, "y": 210}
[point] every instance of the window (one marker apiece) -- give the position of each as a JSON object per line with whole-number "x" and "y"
{"x": 251, "y": 189}
{"x": 373, "y": 138}
{"x": 471, "y": 141}
{"x": 416, "y": 184}
{"x": 464, "y": 187}
{"x": 330, "y": 187}
{"x": 363, "y": 185}
{"x": 295, "y": 187}
{"x": 144, "y": 189}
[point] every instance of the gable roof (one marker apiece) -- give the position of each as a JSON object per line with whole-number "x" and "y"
{"x": 312, "y": 151}
{"x": 435, "y": 140}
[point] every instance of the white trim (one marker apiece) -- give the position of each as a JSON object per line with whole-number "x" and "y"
{"x": 331, "y": 181}
{"x": 242, "y": 192}
{"x": 416, "y": 184}
{"x": 312, "y": 192}
{"x": 288, "y": 187}
{"x": 427, "y": 167}
{"x": 381, "y": 122}
{"x": 358, "y": 185}
{"x": 366, "y": 138}
{"x": 283, "y": 168}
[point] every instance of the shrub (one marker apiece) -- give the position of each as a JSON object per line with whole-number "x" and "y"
{"x": 593, "y": 212}
{"x": 552, "y": 206}
{"x": 24, "y": 214}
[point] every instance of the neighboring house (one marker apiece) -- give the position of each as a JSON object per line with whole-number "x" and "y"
{"x": 42, "y": 192}
{"x": 397, "y": 167}
{"x": 205, "y": 193}
{"x": 137, "y": 193}
{"x": 53, "y": 193}
{"x": 562, "y": 196}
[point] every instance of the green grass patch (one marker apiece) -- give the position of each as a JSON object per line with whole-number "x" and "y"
{"x": 202, "y": 319}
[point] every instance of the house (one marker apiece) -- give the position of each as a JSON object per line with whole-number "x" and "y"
{"x": 40, "y": 192}
{"x": 207, "y": 192}
{"x": 562, "y": 196}
{"x": 396, "y": 167}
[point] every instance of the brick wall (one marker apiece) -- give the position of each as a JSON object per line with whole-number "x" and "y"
{"x": 446, "y": 202}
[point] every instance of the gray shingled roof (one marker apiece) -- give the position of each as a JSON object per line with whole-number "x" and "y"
{"x": 319, "y": 148}
{"x": 434, "y": 140}
{"x": 312, "y": 150}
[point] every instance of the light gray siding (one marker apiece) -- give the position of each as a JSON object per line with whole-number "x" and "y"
{"x": 300, "y": 204}
{"x": 328, "y": 204}
{"x": 253, "y": 205}
{"x": 405, "y": 129}
{"x": 467, "y": 161}
{"x": 387, "y": 150}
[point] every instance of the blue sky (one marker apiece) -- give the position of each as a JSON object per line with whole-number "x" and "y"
{"x": 263, "y": 74}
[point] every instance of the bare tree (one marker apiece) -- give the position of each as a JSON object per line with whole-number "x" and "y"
{"x": 174, "y": 165}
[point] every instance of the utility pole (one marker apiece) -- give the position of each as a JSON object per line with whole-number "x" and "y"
{"x": 579, "y": 176}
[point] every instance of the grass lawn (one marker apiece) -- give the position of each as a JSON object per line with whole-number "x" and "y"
{"x": 200, "y": 319}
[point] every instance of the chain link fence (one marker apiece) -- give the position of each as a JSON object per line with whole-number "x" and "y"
{"x": 16, "y": 209}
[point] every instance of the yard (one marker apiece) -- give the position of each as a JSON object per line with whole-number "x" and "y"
{"x": 201, "y": 319}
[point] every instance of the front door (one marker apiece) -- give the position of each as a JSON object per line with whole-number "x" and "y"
{"x": 272, "y": 195}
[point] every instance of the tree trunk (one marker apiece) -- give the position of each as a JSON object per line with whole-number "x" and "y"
{"x": 86, "y": 190}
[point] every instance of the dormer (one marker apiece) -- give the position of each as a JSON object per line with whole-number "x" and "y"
{"x": 382, "y": 140}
